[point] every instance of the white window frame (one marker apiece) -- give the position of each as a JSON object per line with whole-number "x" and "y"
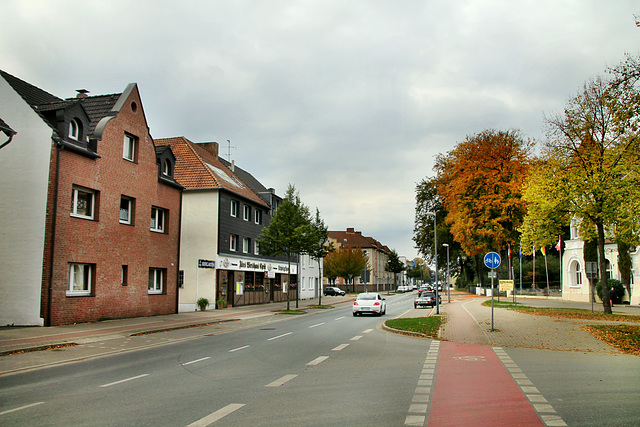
{"x": 79, "y": 278}
{"x": 130, "y": 148}
{"x": 166, "y": 167}
{"x": 129, "y": 219}
{"x": 235, "y": 205}
{"x": 156, "y": 280}
{"x": 246, "y": 212}
{"x": 246, "y": 245}
{"x": 74, "y": 129}
{"x": 233, "y": 243}
{"x": 258, "y": 216}
{"x": 256, "y": 248}
{"x": 158, "y": 218}
{"x": 76, "y": 193}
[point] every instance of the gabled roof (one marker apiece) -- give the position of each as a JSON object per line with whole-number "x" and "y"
{"x": 198, "y": 169}
{"x": 354, "y": 239}
{"x": 31, "y": 94}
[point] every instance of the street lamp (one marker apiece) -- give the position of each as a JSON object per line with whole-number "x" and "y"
{"x": 435, "y": 246}
{"x": 448, "y": 278}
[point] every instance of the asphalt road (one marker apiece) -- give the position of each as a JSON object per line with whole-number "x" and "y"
{"x": 322, "y": 369}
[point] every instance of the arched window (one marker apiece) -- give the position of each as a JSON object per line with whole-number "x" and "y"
{"x": 166, "y": 167}
{"x": 575, "y": 274}
{"x": 75, "y": 130}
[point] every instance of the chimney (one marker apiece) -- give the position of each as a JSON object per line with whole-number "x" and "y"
{"x": 351, "y": 230}
{"x": 211, "y": 147}
{"x": 233, "y": 166}
{"x": 82, "y": 93}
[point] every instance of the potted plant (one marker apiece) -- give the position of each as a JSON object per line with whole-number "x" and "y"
{"x": 202, "y": 303}
{"x": 222, "y": 302}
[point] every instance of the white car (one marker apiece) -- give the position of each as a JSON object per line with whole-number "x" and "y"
{"x": 369, "y": 302}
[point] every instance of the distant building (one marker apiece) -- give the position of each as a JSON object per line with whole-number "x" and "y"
{"x": 89, "y": 213}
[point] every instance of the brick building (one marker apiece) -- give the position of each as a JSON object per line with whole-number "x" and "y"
{"x": 97, "y": 234}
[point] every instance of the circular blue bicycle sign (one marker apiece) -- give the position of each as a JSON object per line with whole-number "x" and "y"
{"x": 492, "y": 260}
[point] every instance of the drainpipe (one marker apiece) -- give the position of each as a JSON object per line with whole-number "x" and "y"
{"x": 10, "y": 133}
{"x": 59, "y": 148}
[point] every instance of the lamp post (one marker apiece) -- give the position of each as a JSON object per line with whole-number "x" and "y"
{"x": 435, "y": 247}
{"x": 448, "y": 278}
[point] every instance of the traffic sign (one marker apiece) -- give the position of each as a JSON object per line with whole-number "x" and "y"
{"x": 492, "y": 260}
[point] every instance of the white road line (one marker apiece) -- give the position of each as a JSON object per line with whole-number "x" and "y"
{"x": 356, "y": 338}
{"x": 340, "y": 347}
{"x": 339, "y": 318}
{"x": 124, "y": 381}
{"x": 402, "y": 314}
{"x": 195, "y": 361}
{"x": 317, "y": 360}
{"x": 279, "y": 382}
{"x": 239, "y": 348}
{"x": 315, "y": 326}
{"x": 366, "y": 331}
{"x": 279, "y": 336}
{"x": 21, "y": 408}
{"x": 215, "y": 416}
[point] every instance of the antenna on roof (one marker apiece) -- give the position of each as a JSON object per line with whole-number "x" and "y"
{"x": 229, "y": 147}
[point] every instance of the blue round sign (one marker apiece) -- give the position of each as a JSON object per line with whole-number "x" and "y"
{"x": 492, "y": 260}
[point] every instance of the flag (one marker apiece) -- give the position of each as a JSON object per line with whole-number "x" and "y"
{"x": 559, "y": 244}
{"x": 509, "y": 251}
{"x": 543, "y": 250}
{"x": 520, "y": 253}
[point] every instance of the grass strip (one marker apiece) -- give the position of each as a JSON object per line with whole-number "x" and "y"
{"x": 625, "y": 338}
{"x": 423, "y": 325}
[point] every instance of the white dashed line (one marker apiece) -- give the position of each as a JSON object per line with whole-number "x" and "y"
{"x": 21, "y": 408}
{"x": 195, "y": 361}
{"x": 356, "y": 338}
{"x": 279, "y": 382}
{"x": 215, "y": 416}
{"x": 317, "y": 360}
{"x": 340, "y": 347}
{"x": 279, "y": 336}
{"x": 366, "y": 331}
{"x": 316, "y": 325}
{"x": 339, "y": 318}
{"x": 239, "y": 348}
{"x": 124, "y": 381}
{"x": 419, "y": 407}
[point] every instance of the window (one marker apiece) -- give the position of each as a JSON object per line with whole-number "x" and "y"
{"x": 80, "y": 277}
{"x": 246, "y": 245}
{"x": 83, "y": 203}
{"x": 126, "y": 210}
{"x": 578, "y": 275}
{"x": 130, "y": 148}
{"x": 124, "y": 275}
{"x": 157, "y": 219}
{"x": 74, "y": 130}
{"x": 247, "y": 213}
{"x": 156, "y": 280}
{"x": 233, "y": 243}
{"x": 234, "y": 208}
{"x": 166, "y": 167}
{"x": 256, "y": 248}
{"x": 258, "y": 216}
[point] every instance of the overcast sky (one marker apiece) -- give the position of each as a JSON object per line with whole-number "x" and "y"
{"x": 350, "y": 101}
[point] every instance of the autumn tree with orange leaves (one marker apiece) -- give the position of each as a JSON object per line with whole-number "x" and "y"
{"x": 480, "y": 183}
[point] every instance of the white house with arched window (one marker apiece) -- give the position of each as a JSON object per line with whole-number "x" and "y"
{"x": 575, "y": 285}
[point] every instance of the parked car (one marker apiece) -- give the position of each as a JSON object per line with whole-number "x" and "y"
{"x": 369, "y": 302}
{"x": 330, "y": 290}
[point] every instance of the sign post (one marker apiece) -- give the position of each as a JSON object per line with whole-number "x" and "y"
{"x": 492, "y": 261}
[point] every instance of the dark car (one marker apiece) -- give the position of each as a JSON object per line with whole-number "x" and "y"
{"x": 333, "y": 291}
{"x": 425, "y": 299}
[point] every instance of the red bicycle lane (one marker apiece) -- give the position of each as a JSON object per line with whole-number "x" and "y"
{"x": 473, "y": 388}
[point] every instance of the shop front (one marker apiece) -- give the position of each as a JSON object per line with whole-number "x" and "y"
{"x": 249, "y": 281}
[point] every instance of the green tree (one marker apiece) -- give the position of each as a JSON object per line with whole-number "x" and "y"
{"x": 321, "y": 246}
{"x": 346, "y": 263}
{"x": 290, "y": 231}
{"x": 590, "y": 169}
{"x": 395, "y": 265}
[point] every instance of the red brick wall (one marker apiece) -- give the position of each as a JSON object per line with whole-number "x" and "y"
{"x": 107, "y": 243}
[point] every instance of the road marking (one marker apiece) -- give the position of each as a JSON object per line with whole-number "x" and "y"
{"x": 124, "y": 381}
{"x": 356, "y": 338}
{"x": 315, "y": 326}
{"x": 402, "y": 314}
{"x": 21, "y": 408}
{"x": 279, "y": 382}
{"x": 215, "y": 416}
{"x": 195, "y": 361}
{"x": 340, "y": 347}
{"x": 419, "y": 407}
{"x": 339, "y": 318}
{"x": 279, "y": 336}
{"x": 239, "y": 348}
{"x": 366, "y": 331}
{"x": 317, "y": 360}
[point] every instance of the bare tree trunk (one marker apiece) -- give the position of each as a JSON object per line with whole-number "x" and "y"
{"x": 606, "y": 302}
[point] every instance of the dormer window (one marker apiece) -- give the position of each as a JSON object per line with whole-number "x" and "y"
{"x": 75, "y": 130}
{"x": 166, "y": 167}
